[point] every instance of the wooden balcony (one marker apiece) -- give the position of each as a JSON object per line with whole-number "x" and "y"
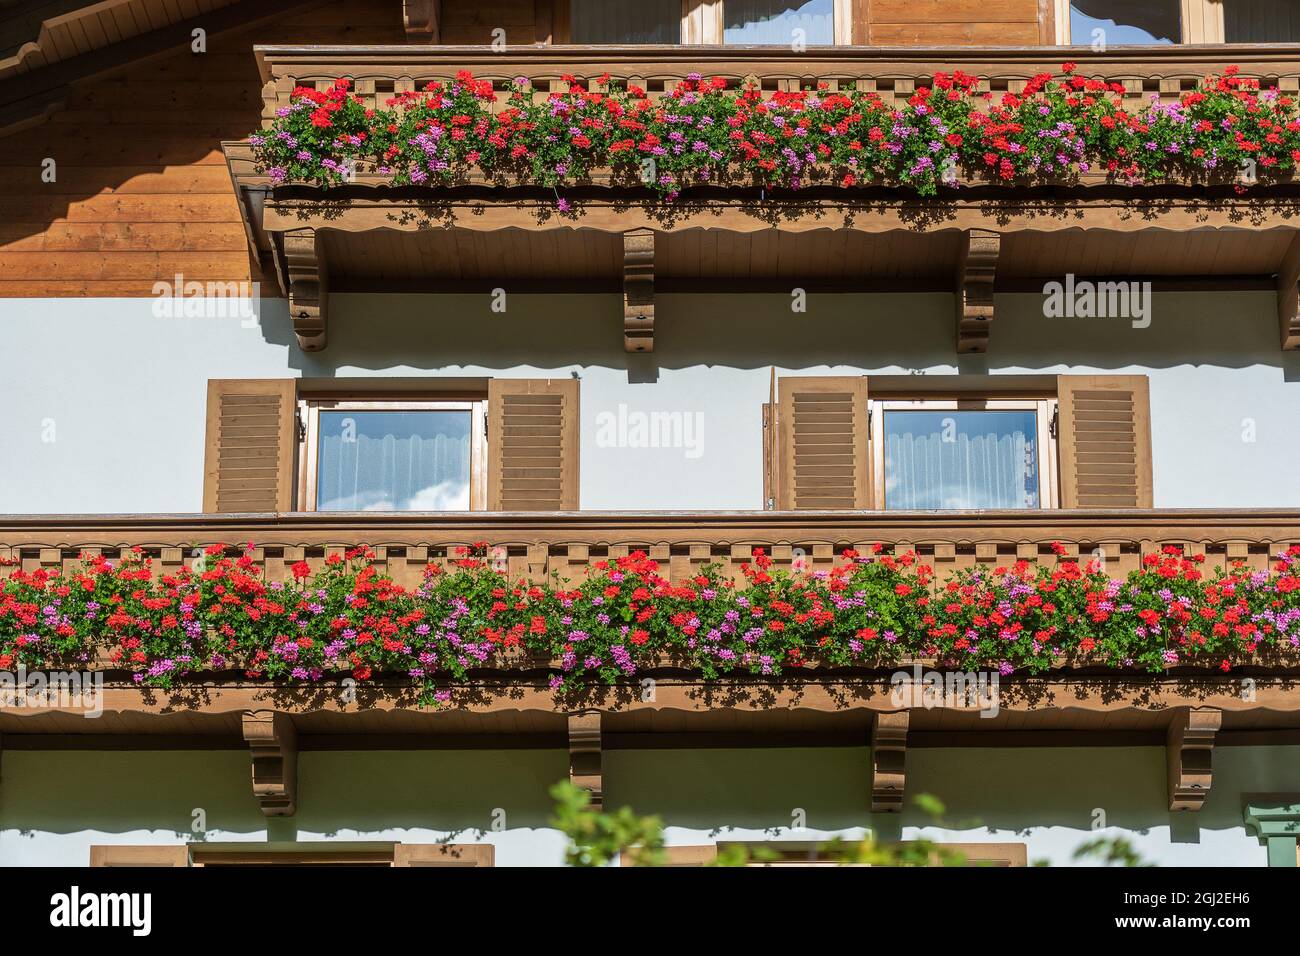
{"x": 538, "y": 544}
{"x": 1188, "y": 715}
{"x": 360, "y": 237}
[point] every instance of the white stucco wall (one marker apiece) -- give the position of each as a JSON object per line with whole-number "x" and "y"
{"x": 124, "y": 391}
{"x": 55, "y": 805}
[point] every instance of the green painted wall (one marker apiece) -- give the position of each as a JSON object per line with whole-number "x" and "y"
{"x": 55, "y": 805}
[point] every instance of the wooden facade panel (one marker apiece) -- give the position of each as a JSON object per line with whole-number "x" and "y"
{"x": 954, "y": 34}
{"x": 136, "y": 202}
{"x": 952, "y": 22}
{"x": 122, "y": 265}
{"x": 953, "y": 11}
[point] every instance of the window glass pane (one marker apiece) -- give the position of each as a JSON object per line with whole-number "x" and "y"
{"x": 626, "y": 21}
{"x": 1261, "y": 21}
{"x": 1125, "y": 21}
{"x": 774, "y": 21}
{"x": 393, "y": 461}
{"x": 961, "y": 459}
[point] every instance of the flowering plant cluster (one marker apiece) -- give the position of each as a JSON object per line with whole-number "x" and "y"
{"x": 706, "y": 131}
{"x": 348, "y": 619}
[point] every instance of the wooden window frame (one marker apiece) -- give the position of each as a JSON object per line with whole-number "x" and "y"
{"x": 161, "y": 855}
{"x": 1045, "y": 409}
{"x": 301, "y": 854}
{"x": 976, "y": 854}
{"x": 309, "y": 410}
{"x": 1200, "y": 21}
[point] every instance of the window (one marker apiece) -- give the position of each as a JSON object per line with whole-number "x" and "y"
{"x": 775, "y": 21}
{"x": 782, "y": 853}
{"x": 853, "y": 442}
{"x": 394, "y": 456}
{"x": 270, "y": 447}
{"x": 626, "y": 21}
{"x": 709, "y": 22}
{"x": 331, "y": 853}
{"x": 1261, "y": 21}
{"x": 932, "y": 455}
{"x": 1125, "y": 22}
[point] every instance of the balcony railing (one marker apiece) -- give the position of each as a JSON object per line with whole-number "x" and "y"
{"x": 535, "y": 545}
{"x": 894, "y": 73}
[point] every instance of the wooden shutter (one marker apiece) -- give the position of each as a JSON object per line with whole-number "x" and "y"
{"x": 252, "y": 445}
{"x": 822, "y": 456}
{"x": 1104, "y": 441}
{"x": 533, "y": 444}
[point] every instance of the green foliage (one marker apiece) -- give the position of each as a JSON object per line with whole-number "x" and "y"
{"x": 601, "y": 838}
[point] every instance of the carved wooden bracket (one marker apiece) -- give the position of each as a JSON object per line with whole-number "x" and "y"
{"x": 976, "y": 269}
{"x": 273, "y": 742}
{"x": 1288, "y": 296}
{"x": 584, "y": 754}
{"x": 308, "y": 282}
{"x": 421, "y": 18}
{"x": 1189, "y": 749}
{"x": 639, "y": 290}
{"x": 888, "y": 761}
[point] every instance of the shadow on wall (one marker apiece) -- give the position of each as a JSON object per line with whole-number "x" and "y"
{"x": 461, "y": 794}
{"x": 895, "y": 333}
{"x": 451, "y": 792}
{"x": 998, "y": 791}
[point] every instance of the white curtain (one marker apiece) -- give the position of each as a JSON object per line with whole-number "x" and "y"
{"x": 773, "y": 22}
{"x": 393, "y": 472}
{"x": 924, "y": 472}
{"x": 625, "y": 21}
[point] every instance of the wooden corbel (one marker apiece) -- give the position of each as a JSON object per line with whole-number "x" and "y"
{"x": 273, "y": 742}
{"x": 308, "y": 281}
{"x": 639, "y": 290}
{"x": 1189, "y": 749}
{"x": 1288, "y": 296}
{"x": 584, "y": 754}
{"x": 888, "y": 761}
{"x": 977, "y": 267}
{"x": 421, "y": 18}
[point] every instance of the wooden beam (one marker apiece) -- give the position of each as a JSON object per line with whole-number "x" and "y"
{"x": 888, "y": 761}
{"x": 33, "y": 96}
{"x": 273, "y": 742}
{"x": 639, "y": 290}
{"x": 1288, "y": 296}
{"x": 584, "y": 754}
{"x": 977, "y": 267}
{"x": 422, "y": 19}
{"x": 1189, "y": 749}
{"x": 308, "y": 280}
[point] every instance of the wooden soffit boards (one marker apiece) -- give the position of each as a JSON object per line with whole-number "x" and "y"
{"x": 37, "y": 84}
